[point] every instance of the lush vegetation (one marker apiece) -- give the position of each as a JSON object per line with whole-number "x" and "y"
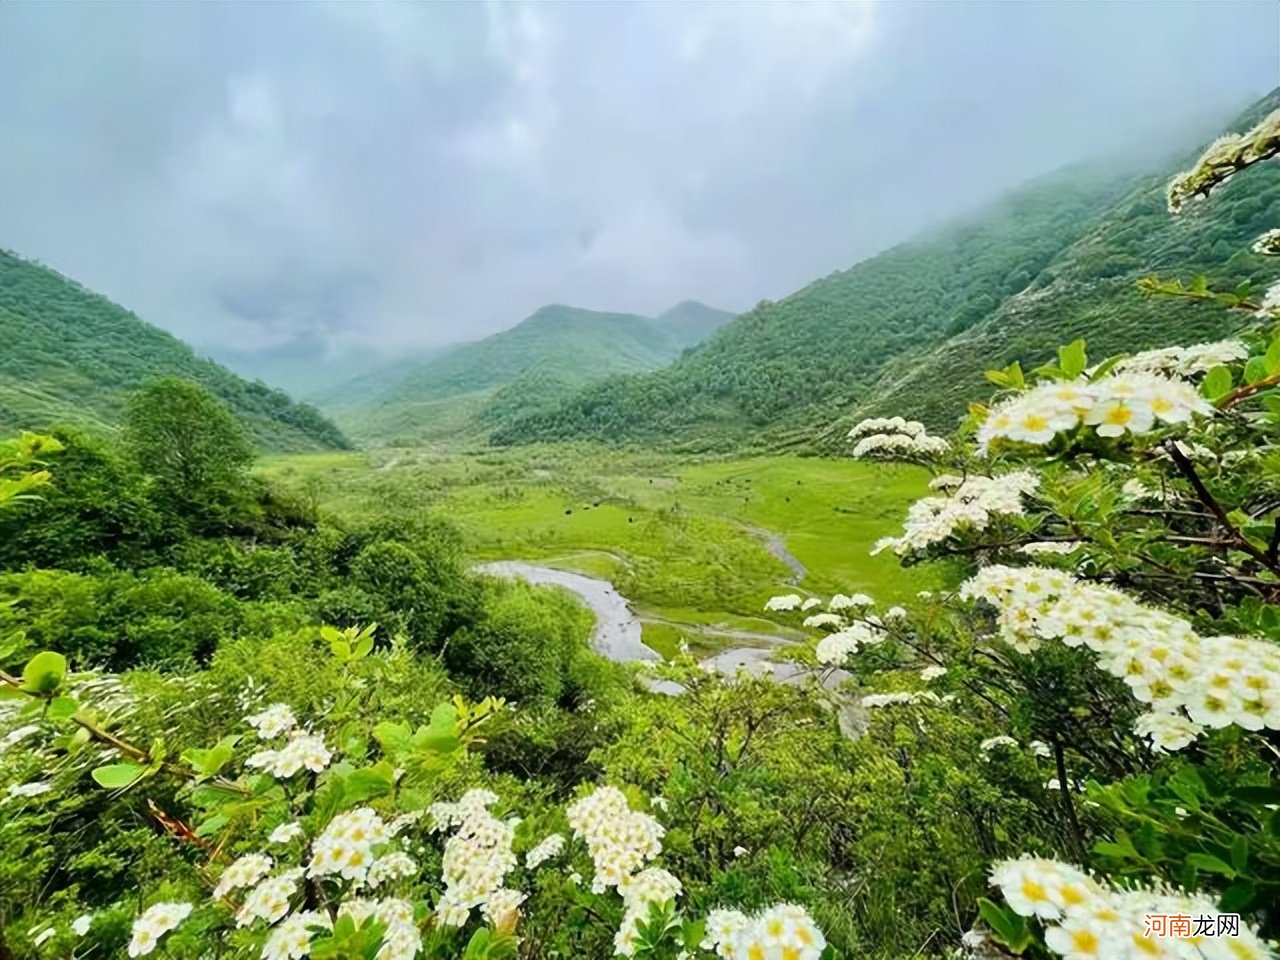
{"x": 235, "y": 723}
{"x": 1057, "y": 258}
{"x": 533, "y": 366}
{"x": 72, "y": 356}
{"x": 694, "y": 545}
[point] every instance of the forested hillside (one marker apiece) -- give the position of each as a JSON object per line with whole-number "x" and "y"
{"x": 910, "y": 331}
{"x": 72, "y": 355}
{"x": 532, "y": 367}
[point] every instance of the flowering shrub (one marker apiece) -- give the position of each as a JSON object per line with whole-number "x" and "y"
{"x": 1125, "y": 532}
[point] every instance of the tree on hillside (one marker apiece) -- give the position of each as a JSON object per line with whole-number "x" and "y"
{"x": 194, "y": 448}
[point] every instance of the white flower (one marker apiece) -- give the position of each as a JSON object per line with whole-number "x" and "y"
{"x": 345, "y": 847}
{"x": 40, "y": 938}
{"x": 291, "y": 938}
{"x": 895, "y": 613}
{"x": 285, "y": 832}
{"x": 824, "y": 620}
{"x": 1040, "y": 749}
{"x": 244, "y": 872}
{"x": 972, "y": 505}
{"x": 81, "y": 924}
{"x": 788, "y": 601}
{"x": 991, "y": 743}
{"x": 269, "y": 900}
{"x": 550, "y": 848}
{"x": 1167, "y": 731}
{"x": 303, "y": 751}
{"x": 477, "y": 858}
{"x": 1059, "y": 547}
{"x": 785, "y": 930}
{"x": 620, "y": 840}
{"x": 272, "y": 722}
{"x": 740, "y": 851}
{"x": 157, "y": 920}
{"x": 810, "y": 603}
{"x": 391, "y": 866}
{"x": 932, "y": 673}
{"x": 842, "y": 602}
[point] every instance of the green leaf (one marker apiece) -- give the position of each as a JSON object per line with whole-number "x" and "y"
{"x": 44, "y": 672}
{"x": 210, "y": 827}
{"x": 368, "y": 783}
{"x": 1240, "y": 853}
{"x": 1272, "y": 357}
{"x": 1238, "y": 897}
{"x": 117, "y": 776}
{"x": 1257, "y": 796}
{"x": 1208, "y": 863}
{"x": 441, "y": 735}
{"x": 1255, "y": 369}
{"x": 1106, "y": 366}
{"x": 1009, "y": 928}
{"x": 62, "y": 707}
{"x": 1217, "y": 383}
{"x": 1072, "y": 359}
{"x": 393, "y": 737}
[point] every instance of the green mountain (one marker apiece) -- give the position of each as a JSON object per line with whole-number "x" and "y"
{"x": 69, "y": 355}
{"x": 911, "y": 330}
{"x": 531, "y": 368}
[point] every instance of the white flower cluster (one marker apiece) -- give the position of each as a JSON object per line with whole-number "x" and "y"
{"x": 810, "y": 603}
{"x": 1128, "y": 402}
{"x": 1268, "y": 244}
{"x": 1270, "y": 301}
{"x": 285, "y": 832}
{"x": 785, "y": 602}
{"x": 291, "y": 938}
{"x": 891, "y": 437}
{"x": 154, "y": 922}
{"x": 639, "y": 891}
{"x": 302, "y": 751}
{"x": 1185, "y": 361}
{"x": 824, "y": 620}
{"x": 400, "y": 939}
{"x": 477, "y": 858}
{"x": 782, "y": 931}
{"x": 842, "y": 602}
{"x": 971, "y": 505}
{"x": 932, "y": 672}
{"x": 269, "y": 900}
{"x": 989, "y": 744}
{"x": 1085, "y": 919}
{"x": 1223, "y": 158}
{"x": 1190, "y": 682}
{"x": 619, "y": 839}
{"x": 275, "y": 721}
{"x": 835, "y": 648}
{"x": 351, "y": 846}
{"x": 245, "y": 872}
{"x": 548, "y": 849}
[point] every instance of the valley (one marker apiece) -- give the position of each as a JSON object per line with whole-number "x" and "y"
{"x": 698, "y": 546}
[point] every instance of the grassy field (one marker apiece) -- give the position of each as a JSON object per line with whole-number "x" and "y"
{"x": 695, "y": 546}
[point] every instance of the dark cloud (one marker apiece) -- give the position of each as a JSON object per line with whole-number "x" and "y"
{"x": 252, "y": 176}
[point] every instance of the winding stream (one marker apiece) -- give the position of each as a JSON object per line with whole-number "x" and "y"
{"x": 618, "y": 631}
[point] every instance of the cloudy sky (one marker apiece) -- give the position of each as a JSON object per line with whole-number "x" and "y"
{"x": 309, "y": 176}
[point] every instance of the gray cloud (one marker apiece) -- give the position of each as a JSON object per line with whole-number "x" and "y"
{"x": 255, "y": 175}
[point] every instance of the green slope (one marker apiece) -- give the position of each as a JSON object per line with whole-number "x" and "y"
{"x": 911, "y": 330}
{"x": 532, "y": 367}
{"x": 69, "y": 355}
